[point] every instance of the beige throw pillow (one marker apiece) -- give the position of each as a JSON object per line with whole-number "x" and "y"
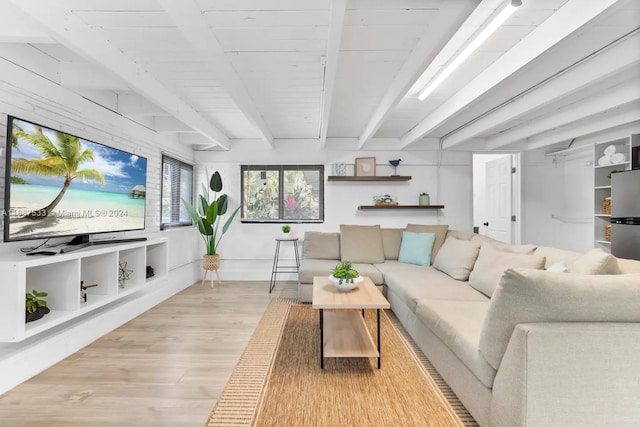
{"x": 319, "y": 245}
{"x": 361, "y": 244}
{"x": 391, "y": 241}
{"x": 527, "y": 296}
{"x": 439, "y": 230}
{"x": 595, "y": 261}
{"x": 457, "y": 257}
{"x": 492, "y": 263}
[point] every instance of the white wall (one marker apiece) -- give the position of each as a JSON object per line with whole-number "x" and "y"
{"x": 247, "y": 249}
{"x": 29, "y": 96}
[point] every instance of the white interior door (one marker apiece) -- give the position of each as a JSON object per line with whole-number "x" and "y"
{"x": 497, "y": 225}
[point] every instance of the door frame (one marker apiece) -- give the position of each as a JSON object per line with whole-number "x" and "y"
{"x": 516, "y": 188}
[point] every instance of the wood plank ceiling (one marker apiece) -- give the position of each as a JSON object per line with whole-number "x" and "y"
{"x": 340, "y": 72}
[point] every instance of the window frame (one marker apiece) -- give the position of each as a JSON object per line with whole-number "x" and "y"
{"x": 281, "y": 169}
{"x": 182, "y": 165}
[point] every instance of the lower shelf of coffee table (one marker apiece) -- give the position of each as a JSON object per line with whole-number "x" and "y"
{"x": 346, "y": 335}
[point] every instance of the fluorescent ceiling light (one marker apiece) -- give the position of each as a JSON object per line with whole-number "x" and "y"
{"x": 470, "y": 48}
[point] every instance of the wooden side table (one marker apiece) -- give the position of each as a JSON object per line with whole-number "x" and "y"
{"x": 277, "y": 268}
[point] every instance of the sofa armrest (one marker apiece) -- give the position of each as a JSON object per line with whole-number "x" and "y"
{"x": 560, "y": 374}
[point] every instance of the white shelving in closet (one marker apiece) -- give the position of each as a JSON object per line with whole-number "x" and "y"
{"x": 618, "y": 153}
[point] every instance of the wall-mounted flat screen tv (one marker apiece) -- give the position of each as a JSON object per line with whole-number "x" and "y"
{"x": 58, "y": 184}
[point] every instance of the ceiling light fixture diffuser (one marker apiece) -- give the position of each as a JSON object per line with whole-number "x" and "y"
{"x": 499, "y": 19}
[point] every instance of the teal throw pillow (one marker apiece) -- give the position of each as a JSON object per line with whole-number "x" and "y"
{"x": 416, "y": 248}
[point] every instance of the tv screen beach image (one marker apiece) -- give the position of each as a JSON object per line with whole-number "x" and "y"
{"x": 62, "y": 185}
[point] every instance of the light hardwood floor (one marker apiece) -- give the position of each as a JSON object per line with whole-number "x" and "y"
{"x": 166, "y": 367}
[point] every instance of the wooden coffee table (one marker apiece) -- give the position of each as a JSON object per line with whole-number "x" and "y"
{"x": 343, "y": 332}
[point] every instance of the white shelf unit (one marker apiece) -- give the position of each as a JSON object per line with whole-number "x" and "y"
{"x": 602, "y": 182}
{"x": 60, "y": 276}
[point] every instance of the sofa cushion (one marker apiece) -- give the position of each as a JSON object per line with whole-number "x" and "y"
{"x": 416, "y": 248}
{"x": 595, "y": 261}
{"x": 391, "y": 265}
{"x": 528, "y": 296}
{"x": 439, "y": 230}
{"x": 457, "y": 257}
{"x": 504, "y": 247}
{"x": 628, "y": 265}
{"x": 414, "y": 284}
{"x": 458, "y": 324}
{"x": 555, "y": 255}
{"x": 319, "y": 245}
{"x": 492, "y": 263}
{"x": 459, "y": 234}
{"x": 391, "y": 240}
{"x": 361, "y": 243}
{"x": 370, "y": 271}
{"x": 309, "y": 268}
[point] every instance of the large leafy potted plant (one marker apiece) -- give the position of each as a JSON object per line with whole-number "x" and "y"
{"x": 208, "y": 218}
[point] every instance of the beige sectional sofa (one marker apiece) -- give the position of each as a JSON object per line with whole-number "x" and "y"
{"x": 520, "y": 345}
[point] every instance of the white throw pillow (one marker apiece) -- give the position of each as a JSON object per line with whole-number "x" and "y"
{"x": 457, "y": 257}
{"x": 595, "y": 261}
{"x": 492, "y": 263}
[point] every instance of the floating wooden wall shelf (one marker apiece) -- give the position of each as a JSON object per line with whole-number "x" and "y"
{"x": 368, "y": 178}
{"x": 369, "y": 207}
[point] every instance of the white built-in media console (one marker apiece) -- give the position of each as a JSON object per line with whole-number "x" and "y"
{"x": 118, "y": 270}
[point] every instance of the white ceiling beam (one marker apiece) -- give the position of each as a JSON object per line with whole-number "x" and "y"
{"x": 587, "y": 126}
{"x": 86, "y": 75}
{"x": 570, "y": 17}
{"x": 618, "y": 57}
{"x": 188, "y": 17}
{"x": 612, "y": 98}
{"x": 70, "y": 31}
{"x": 435, "y": 37}
{"x": 170, "y": 125}
{"x": 16, "y": 27}
{"x": 132, "y": 104}
{"x": 336, "y": 25}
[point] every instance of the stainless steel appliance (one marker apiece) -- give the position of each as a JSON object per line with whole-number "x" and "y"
{"x": 625, "y": 214}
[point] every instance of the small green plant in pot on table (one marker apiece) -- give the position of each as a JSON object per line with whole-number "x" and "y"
{"x": 345, "y": 277}
{"x": 36, "y": 307}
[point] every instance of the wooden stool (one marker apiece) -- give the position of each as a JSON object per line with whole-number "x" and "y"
{"x": 211, "y": 263}
{"x": 283, "y": 268}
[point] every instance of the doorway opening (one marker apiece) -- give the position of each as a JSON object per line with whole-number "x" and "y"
{"x": 497, "y": 196}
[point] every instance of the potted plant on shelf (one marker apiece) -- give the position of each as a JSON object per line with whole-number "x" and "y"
{"x": 286, "y": 229}
{"x": 36, "y": 307}
{"x": 208, "y": 218}
{"x": 345, "y": 277}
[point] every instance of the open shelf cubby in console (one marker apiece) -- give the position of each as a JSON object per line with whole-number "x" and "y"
{"x": 60, "y": 277}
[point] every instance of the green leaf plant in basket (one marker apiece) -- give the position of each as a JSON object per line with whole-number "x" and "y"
{"x": 345, "y": 277}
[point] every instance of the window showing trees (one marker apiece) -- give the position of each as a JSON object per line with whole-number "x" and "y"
{"x": 282, "y": 193}
{"x": 177, "y": 184}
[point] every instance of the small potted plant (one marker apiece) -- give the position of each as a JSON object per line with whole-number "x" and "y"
{"x": 285, "y": 230}
{"x": 36, "y": 307}
{"x": 345, "y": 277}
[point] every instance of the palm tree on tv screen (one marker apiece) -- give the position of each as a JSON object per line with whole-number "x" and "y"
{"x": 61, "y": 158}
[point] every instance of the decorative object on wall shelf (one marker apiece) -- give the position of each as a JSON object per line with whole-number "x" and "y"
{"x": 607, "y": 232}
{"x": 423, "y": 199}
{"x": 365, "y": 166}
{"x": 611, "y": 157}
{"x": 124, "y": 273}
{"x": 386, "y": 200}
{"x": 368, "y": 178}
{"x": 340, "y": 169}
{"x": 36, "y": 306}
{"x": 394, "y": 164}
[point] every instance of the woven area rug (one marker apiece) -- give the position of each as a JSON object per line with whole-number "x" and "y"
{"x": 278, "y": 380}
